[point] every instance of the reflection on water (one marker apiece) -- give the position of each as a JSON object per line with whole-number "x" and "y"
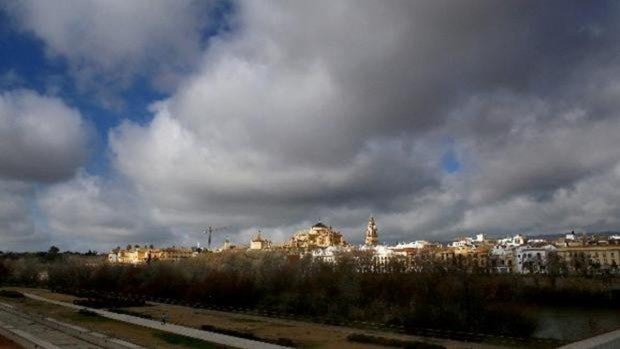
{"x": 573, "y": 323}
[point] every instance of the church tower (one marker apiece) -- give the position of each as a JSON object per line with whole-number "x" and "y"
{"x": 371, "y": 233}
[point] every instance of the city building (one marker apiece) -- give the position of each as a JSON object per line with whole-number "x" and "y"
{"x": 601, "y": 257}
{"x": 130, "y": 255}
{"x": 502, "y": 259}
{"x": 319, "y": 236}
{"x": 467, "y": 257}
{"x": 139, "y": 255}
{"x": 532, "y": 259}
{"x": 174, "y": 253}
{"x": 259, "y": 243}
{"x": 372, "y": 236}
{"x": 570, "y": 253}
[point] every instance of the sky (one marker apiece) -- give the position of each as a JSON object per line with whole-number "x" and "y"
{"x": 144, "y": 121}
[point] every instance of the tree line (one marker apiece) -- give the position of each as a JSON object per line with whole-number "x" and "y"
{"x": 435, "y": 295}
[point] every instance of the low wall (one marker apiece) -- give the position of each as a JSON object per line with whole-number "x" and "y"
{"x": 609, "y": 340}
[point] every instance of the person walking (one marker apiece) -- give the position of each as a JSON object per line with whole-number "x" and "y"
{"x": 164, "y": 317}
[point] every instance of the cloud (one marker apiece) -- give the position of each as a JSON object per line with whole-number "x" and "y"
{"x": 89, "y": 211}
{"x": 338, "y": 119}
{"x": 42, "y": 141}
{"x": 527, "y": 146}
{"x": 18, "y": 226}
{"x": 41, "y": 138}
{"x": 339, "y": 110}
{"x": 589, "y": 204}
{"x": 109, "y": 44}
{"x": 10, "y": 78}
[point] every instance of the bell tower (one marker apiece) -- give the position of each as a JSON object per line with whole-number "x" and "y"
{"x": 371, "y": 233}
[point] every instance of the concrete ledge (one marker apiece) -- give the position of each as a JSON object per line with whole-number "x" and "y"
{"x": 38, "y": 342}
{"x": 97, "y": 339}
{"x": 24, "y": 339}
{"x": 125, "y": 344}
{"x": 6, "y": 305}
{"x": 73, "y": 327}
{"x": 609, "y": 340}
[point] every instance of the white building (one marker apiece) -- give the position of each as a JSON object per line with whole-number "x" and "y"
{"x": 479, "y": 239}
{"x": 328, "y": 254}
{"x": 502, "y": 258}
{"x": 416, "y": 244}
{"x": 113, "y": 257}
{"x": 517, "y": 240}
{"x": 532, "y": 259}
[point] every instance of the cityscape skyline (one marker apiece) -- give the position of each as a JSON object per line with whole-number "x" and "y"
{"x": 147, "y": 121}
{"x": 309, "y": 174}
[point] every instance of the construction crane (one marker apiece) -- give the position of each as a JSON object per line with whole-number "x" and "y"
{"x": 210, "y": 230}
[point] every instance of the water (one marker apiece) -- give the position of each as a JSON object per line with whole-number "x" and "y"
{"x": 574, "y": 323}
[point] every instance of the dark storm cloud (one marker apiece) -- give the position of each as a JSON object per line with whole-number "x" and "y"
{"x": 404, "y": 65}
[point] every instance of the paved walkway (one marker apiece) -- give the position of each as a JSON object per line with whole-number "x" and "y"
{"x": 176, "y": 329}
{"x": 24, "y": 330}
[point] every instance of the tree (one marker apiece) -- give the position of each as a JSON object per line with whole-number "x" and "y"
{"x": 52, "y": 253}
{"x": 4, "y": 272}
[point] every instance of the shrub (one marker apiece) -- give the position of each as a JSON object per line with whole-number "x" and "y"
{"x": 11, "y": 294}
{"x": 88, "y": 313}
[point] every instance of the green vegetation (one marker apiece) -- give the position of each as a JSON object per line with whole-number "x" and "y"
{"x": 391, "y": 342}
{"x": 247, "y": 335}
{"x": 235, "y": 333}
{"x": 184, "y": 341}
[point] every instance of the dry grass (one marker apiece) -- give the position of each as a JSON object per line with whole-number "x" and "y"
{"x": 304, "y": 334}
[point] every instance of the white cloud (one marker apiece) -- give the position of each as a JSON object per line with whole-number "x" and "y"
{"x": 89, "y": 211}
{"x": 108, "y": 43}
{"x": 590, "y": 204}
{"x": 18, "y": 227}
{"x": 41, "y": 138}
